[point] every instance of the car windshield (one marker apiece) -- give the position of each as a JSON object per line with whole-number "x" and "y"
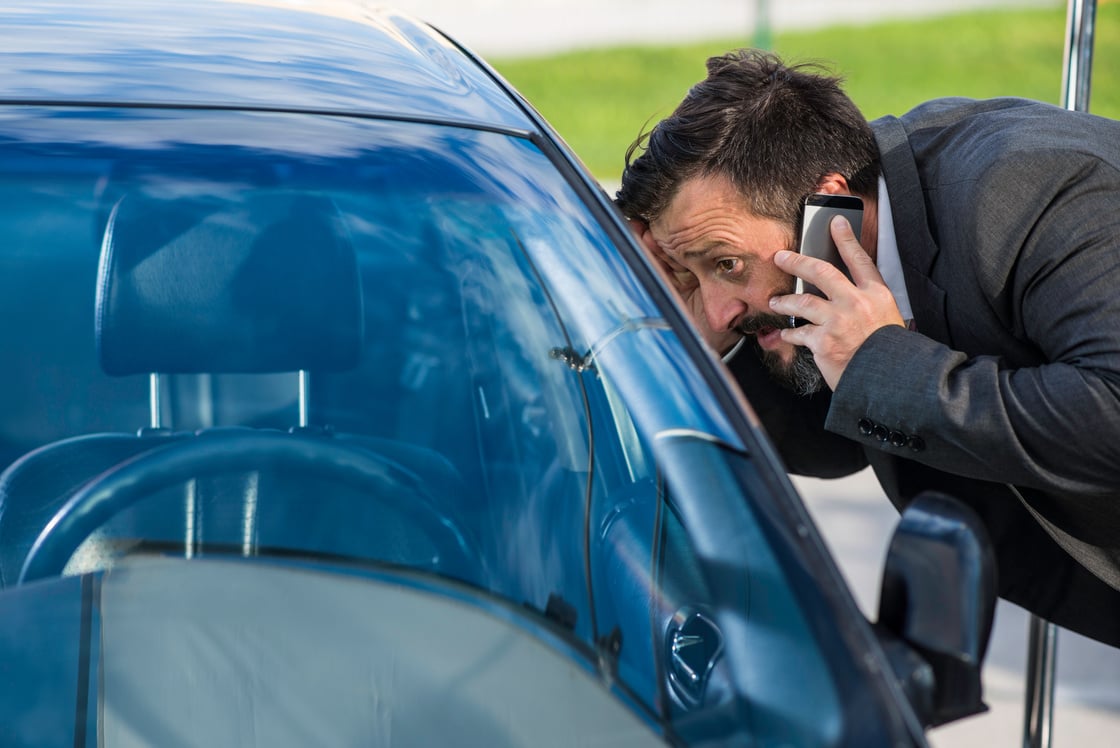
{"x": 373, "y": 345}
{"x": 361, "y": 281}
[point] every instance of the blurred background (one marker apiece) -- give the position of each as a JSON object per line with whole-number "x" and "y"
{"x": 602, "y": 71}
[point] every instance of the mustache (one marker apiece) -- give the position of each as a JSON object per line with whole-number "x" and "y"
{"x": 758, "y": 322}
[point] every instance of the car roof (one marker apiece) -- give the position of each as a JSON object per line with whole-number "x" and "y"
{"x": 335, "y": 56}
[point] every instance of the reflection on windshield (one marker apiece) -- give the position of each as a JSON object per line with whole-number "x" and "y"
{"x": 364, "y": 283}
{"x": 376, "y": 347}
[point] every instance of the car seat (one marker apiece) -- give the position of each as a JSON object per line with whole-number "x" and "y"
{"x": 263, "y": 284}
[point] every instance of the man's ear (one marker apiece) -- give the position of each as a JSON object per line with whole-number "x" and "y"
{"x": 833, "y": 183}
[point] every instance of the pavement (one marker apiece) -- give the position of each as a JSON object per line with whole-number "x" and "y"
{"x": 856, "y": 520}
{"x": 853, "y": 515}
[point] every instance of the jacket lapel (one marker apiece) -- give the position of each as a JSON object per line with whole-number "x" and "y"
{"x": 916, "y": 247}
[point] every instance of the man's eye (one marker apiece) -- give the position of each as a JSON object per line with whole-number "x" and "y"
{"x": 727, "y": 265}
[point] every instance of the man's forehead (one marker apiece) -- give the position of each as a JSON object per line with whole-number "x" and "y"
{"x": 700, "y": 225}
{"x": 709, "y": 229}
{"x": 707, "y": 188}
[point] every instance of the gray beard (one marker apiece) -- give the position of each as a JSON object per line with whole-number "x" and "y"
{"x": 800, "y": 376}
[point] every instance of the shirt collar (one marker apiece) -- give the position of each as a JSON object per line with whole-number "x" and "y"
{"x": 887, "y": 259}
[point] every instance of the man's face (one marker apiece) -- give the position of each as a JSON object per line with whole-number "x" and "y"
{"x": 722, "y": 258}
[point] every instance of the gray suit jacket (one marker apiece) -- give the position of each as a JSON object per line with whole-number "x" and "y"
{"x": 1007, "y": 214}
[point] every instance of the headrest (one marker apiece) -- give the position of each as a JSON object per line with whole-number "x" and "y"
{"x": 264, "y": 283}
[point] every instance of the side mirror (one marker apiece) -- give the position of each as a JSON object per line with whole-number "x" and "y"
{"x": 938, "y": 598}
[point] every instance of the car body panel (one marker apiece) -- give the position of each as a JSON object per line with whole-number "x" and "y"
{"x": 342, "y": 262}
{"x": 270, "y": 56}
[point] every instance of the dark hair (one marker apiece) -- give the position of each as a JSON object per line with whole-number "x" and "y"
{"x": 774, "y": 130}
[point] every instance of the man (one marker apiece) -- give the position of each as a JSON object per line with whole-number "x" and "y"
{"x": 976, "y": 347}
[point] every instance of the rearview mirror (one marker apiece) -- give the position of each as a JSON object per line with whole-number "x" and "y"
{"x": 938, "y": 598}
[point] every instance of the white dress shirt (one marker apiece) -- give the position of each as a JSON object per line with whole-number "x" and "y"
{"x": 887, "y": 260}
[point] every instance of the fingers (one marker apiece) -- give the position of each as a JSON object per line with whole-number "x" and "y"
{"x": 676, "y": 274}
{"x": 686, "y": 285}
{"x": 645, "y": 236}
{"x": 850, "y": 311}
{"x": 860, "y": 265}
{"x": 653, "y": 251}
{"x": 804, "y": 306}
{"x": 825, "y": 276}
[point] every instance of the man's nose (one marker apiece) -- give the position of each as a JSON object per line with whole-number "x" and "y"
{"x": 721, "y": 307}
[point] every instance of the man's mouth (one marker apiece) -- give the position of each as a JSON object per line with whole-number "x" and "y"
{"x": 768, "y": 337}
{"x": 767, "y": 329}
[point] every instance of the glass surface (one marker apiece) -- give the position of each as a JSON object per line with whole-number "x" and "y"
{"x": 214, "y": 259}
{"x": 371, "y": 345}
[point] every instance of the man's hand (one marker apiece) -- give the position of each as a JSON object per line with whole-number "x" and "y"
{"x": 854, "y": 309}
{"x": 688, "y": 289}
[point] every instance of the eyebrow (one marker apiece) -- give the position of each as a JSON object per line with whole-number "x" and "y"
{"x": 704, "y": 251}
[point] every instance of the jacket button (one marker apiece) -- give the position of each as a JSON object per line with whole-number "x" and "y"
{"x": 865, "y": 426}
{"x": 881, "y": 432}
{"x": 916, "y": 443}
{"x": 898, "y": 439}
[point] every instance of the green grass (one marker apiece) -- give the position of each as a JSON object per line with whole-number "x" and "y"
{"x": 599, "y": 100}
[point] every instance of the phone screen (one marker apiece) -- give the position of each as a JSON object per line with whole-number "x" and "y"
{"x": 816, "y": 239}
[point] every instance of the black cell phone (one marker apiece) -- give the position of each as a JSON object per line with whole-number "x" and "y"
{"x": 816, "y": 239}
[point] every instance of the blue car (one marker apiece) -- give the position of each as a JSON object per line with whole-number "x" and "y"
{"x": 340, "y": 407}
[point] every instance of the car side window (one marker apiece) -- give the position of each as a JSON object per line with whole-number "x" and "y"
{"x": 691, "y": 588}
{"x": 625, "y": 503}
{"x": 652, "y": 603}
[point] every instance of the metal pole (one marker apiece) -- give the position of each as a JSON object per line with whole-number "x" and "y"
{"x": 761, "y": 25}
{"x": 1042, "y": 653}
{"x": 1042, "y": 644}
{"x": 1078, "y": 64}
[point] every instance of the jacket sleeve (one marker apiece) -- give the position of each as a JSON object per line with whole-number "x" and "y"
{"x": 1050, "y": 283}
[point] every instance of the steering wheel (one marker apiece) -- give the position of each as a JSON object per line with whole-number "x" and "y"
{"x": 119, "y": 488}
